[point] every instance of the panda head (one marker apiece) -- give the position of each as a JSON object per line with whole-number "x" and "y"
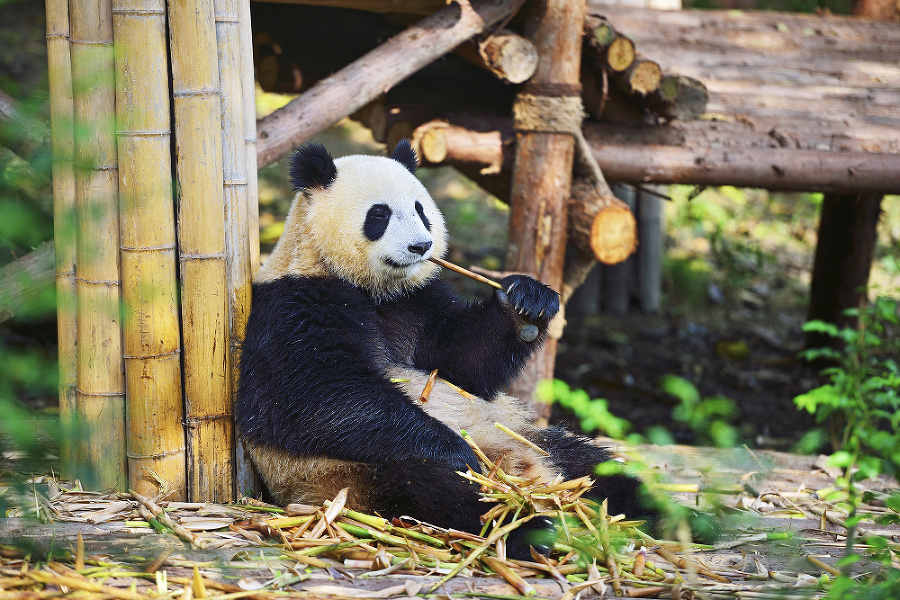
{"x": 369, "y": 220}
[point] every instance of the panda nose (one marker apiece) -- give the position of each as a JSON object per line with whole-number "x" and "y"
{"x": 420, "y": 248}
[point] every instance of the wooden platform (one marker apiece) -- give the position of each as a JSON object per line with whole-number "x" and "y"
{"x": 801, "y": 102}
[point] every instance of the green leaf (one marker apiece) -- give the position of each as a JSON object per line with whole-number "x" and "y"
{"x": 893, "y": 502}
{"x": 846, "y": 561}
{"x": 679, "y": 387}
{"x": 841, "y": 459}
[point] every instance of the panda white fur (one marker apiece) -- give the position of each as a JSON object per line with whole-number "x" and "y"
{"x": 348, "y": 319}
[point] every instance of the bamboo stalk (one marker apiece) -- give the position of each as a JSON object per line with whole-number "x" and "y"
{"x": 234, "y": 167}
{"x": 100, "y": 380}
{"x": 456, "y": 268}
{"x": 62, "y": 146}
{"x": 249, "y": 99}
{"x": 201, "y": 237}
{"x": 152, "y": 340}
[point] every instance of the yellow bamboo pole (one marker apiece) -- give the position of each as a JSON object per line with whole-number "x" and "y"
{"x": 248, "y": 83}
{"x": 100, "y": 379}
{"x": 234, "y": 166}
{"x": 201, "y": 238}
{"x": 62, "y": 146}
{"x": 152, "y": 340}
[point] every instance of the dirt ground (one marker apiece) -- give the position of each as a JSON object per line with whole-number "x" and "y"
{"x": 621, "y": 358}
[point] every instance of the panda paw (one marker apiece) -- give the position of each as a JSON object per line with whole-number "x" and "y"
{"x": 532, "y": 303}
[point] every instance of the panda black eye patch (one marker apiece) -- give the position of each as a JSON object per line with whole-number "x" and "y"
{"x": 376, "y": 221}
{"x": 421, "y": 212}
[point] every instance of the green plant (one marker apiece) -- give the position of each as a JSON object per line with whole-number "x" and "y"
{"x": 708, "y": 418}
{"x": 593, "y": 413}
{"x": 861, "y": 402}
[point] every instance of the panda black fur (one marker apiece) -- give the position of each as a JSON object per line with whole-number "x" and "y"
{"x": 347, "y": 321}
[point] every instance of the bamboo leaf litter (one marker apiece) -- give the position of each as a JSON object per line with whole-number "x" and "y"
{"x": 256, "y": 550}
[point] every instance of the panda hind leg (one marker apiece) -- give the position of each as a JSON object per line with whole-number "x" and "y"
{"x": 577, "y": 456}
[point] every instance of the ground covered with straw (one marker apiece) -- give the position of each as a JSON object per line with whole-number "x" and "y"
{"x": 783, "y": 531}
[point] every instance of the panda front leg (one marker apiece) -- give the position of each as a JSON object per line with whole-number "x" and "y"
{"x": 482, "y": 347}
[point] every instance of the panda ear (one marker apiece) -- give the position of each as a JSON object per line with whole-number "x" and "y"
{"x": 312, "y": 167}
{"x": 406, "y": 156}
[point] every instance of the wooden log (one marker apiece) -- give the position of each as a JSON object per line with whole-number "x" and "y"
{"x": 25, "y": 279}
{"x": 440, "y": 142}
{"x": 615, "y": 290}
{"x": 768, "y": 168}
{"x": 507, "y": 55}
{"x": 62, "y": 144}
{"x": 543, "y": 171}
{"x": 601, "y": 222}
{"x": 201, "y": 238}
{"x": 605, "y": 47}
{"x": 100, "y": 381}
{"x": 641, "y": 77}
{"x": 679, "y": 97}
{"x": 605, "y": 101}
{"x": 362, "y": 81}
{"x": 151, "y": 339}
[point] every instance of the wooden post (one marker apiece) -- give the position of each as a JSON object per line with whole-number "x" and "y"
{"x": 100, "y": 380}
{"x": 543, "y": 169}
{"x": 201, "y": 236}
{"x": 844, "y": 252}
{"x": 62, "y": 147}
{"x": 848, "y": 231}
{"x": 152, "y": 339}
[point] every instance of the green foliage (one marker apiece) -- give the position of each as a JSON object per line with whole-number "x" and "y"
{"x": 594, "y": 414}
{"x": 861, "y": 401}
{"x": 709, "y": 418}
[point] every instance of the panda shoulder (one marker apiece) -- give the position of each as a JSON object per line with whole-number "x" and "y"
{"x": 291, "y": 297}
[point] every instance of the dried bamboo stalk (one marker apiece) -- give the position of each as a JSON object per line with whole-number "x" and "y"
{"x": 100, "y": 380}
{"x": 234, "y": 167}
{"x": 62, "y": 146}
{"x": 152, "y": 340}
{"x": 201, "y": 236}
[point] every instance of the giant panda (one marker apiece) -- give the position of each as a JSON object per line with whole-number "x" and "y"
{"x": 348, "y": 318}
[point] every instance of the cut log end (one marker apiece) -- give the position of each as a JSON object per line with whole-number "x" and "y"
{"x": 642, "y": 77}
{"x": 620, "y": 54}
{"x": 613, "y": 233}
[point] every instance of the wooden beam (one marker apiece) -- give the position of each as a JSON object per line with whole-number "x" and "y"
{"x": 365, "y": 79}
{"x": 678, "y": 154}
{"x": 769, "y": 168}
